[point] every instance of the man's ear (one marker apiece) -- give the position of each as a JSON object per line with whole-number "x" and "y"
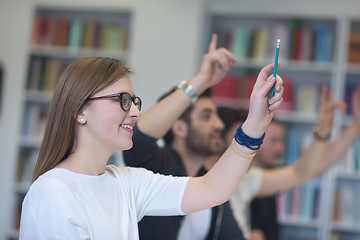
{"x": 179, "y": 128}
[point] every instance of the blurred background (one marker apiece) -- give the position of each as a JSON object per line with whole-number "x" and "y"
{"x": 163, "y": 41}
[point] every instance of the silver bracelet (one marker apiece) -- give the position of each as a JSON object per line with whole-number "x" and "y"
{"x": 188, "y": 89}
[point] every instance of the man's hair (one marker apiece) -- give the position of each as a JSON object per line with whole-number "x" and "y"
{"x": 231, "y": 115}
{"x": 185, "y": 116}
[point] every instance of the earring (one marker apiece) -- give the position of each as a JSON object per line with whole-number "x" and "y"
{"x": 82, "y": 120}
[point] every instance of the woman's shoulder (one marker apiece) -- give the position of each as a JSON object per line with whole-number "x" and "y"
{"x": 128, "y": 172}
{"x": 53, "y": 182}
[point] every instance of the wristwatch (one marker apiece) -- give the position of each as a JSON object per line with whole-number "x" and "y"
{"x": 183, "y": 85}
{"x": 316, "y": 131}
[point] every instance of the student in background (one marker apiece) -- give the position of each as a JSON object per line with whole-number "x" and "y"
{"x": 76, "y": 195}
{"x": 320, "y": 156}
{"x": 190, "y": 138}
{"x": 263, "y": 210}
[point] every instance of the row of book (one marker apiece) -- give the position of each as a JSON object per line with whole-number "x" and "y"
{"x": 44, "y": 73}
{"x": 346, "y": 203}
{"x": 354, "y": 47}
{"x": 27, "y": 160}
{"x": 299, "y": 96}
{"x": 34, "y": 122}
{"x": 343, "y": 236}
{"x": 351, "y": 161}
{"x": 298, "y": 42}
{"x": 349, "y": 90}
{"x": 291, "y": 233}
{"x": 300, "y": 203}
{"x": 76, "y": 33}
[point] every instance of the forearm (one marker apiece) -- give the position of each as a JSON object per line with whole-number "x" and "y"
{"x": 219, "y": 183}
{"x": 159, "y": 119}
{"x": 310, "y": 161}
{"x": 321, "y": 156}
{"x": 284, "y": 178}
{"x": 338, "y": 148}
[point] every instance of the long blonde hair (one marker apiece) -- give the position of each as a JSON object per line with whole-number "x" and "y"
{"x": 77, "y": 83}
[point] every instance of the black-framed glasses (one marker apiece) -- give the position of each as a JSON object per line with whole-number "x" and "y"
{"x": 125, "y": 100}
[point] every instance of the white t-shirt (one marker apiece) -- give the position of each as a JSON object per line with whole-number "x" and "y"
{"x": 195, "y": 226}
{"x": 240, "y": 200}
{"x": 62, "y": 204}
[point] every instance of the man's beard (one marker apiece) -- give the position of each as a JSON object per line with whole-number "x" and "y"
{"x": 198, "y": 144}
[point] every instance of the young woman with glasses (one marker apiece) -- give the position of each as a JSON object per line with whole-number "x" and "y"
{"x": 76, "y": 195}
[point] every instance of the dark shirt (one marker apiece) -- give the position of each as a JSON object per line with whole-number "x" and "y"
{"x": 264, "y": 217}
{"x": 165, "y": 160}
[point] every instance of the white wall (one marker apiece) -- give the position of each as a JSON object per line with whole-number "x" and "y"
{"x": 166, "y": 39}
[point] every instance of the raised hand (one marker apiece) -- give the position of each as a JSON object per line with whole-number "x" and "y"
{"x": 214, "y": 66}
{"x": 260, "y": 109}
{"x": 326, "y": 112}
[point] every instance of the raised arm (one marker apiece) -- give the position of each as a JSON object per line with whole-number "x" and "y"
{"x": 320, "y": 155}
{"x": 214, "y": 66}
{"x": 220, "y": 182}
{"x": 338, "y": 148}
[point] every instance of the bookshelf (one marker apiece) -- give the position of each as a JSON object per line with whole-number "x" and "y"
{"x": 315, "y": 50}
{"x": 345, "y": 219}
{"x": 59, "y": 36}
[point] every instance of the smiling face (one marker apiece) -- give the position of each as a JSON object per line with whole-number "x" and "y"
{"x": 204, "y": 132}
{"x": 107, "y": 124}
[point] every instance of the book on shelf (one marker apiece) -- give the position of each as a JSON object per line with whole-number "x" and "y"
{"x": 240, "y": 42}
{"x": 293, "y": 26}
{"x": 115, "y": 37}
{"x": 349, "y": 90}
{"x": 280, "y": 31}
{"x": 36, "y": 31}
{"x": 295, "y": 204}
{"x": 34, "y": 122}
{"x": 29, "y": 167}
{"x": 260, "y": 44}
{"x": 296, "y": 44}
{"x": 354, "y": 47}
{"x": 89, "y": 34}
{"x": 351, "y": 161}
{"x": 105, "y": 32}
{"x": 62, "y": 33}
{"x": 124, "y": 38}
{"x": 44, "y": 73}
{"x": 44, "y": 31}
{"x": 32, "y": 113}
{"x": 346, "y": 205}
{"x": 226, "y": 92}
{"x": 307, "y": 97}
{"x": 299, "y": 203}
{"x": 75, "y": 34}
{"x": 34, "y": 73}
{"x": 52, "y": 72}
{"x": 323, "y": 44}
{"x": 306, "y": 44}
{"x": 51, "y": 35}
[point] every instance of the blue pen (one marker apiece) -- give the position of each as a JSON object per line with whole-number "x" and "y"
{"x": 275, "y": 67}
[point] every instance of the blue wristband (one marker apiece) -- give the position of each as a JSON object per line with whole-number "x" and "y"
{"x": 249, "y": 142}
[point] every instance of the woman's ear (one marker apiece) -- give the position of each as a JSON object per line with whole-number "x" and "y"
{"x": 81, "y": 118}
{"x": 179, "y": 128}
